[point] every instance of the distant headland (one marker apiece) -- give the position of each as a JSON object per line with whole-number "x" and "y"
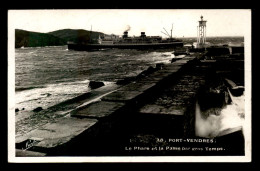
{"x": 25, "y": 38}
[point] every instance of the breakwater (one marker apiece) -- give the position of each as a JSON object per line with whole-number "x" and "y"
{"x": 153, "y": 112}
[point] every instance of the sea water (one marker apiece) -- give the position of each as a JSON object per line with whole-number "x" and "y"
{"x": 46, "y": 76}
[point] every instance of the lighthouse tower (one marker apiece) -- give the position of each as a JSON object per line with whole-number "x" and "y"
{"x": 201, "y": 33}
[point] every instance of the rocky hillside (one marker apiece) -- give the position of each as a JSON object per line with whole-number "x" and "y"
{"x": 35, "y": 39}
{"x": 55, "y": 38}
{"x": 77, "y": 36}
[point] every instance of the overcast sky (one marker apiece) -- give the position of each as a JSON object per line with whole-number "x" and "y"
{"x": 219, "y": 22}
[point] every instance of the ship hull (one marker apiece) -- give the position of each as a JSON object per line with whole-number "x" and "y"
{"x": 88, "y": 47}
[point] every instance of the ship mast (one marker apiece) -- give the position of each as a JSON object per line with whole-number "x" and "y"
{"x": 171, "y": 32}
{"x": 167, "y": 34}
{"x": 90, "y": 33}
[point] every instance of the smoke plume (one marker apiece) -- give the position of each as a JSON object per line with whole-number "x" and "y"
{"x": 127, "y": 28}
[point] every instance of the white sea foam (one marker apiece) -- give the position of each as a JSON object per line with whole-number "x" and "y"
{"x": 159, "y": 57}
{"x": 50, "y": 94}
{"x": 230, "y": 117}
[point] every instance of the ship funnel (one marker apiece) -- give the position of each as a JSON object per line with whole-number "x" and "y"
{"x": 125, "y": 34}
{"x": 143, "y": 34}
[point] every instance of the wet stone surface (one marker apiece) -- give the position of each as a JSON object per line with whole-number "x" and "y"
{"x": 136, "y": 86}
{"x": 59, "y": 132}
{"x": 122, "y": 96}
{"x": 98, "y": 110}
{"x": 176, "y": 98}
{"x": 27, "y": 153}
{"x": 162, "y": 109}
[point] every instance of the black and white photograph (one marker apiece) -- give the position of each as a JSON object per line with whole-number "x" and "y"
{"x": 129, "y": 85}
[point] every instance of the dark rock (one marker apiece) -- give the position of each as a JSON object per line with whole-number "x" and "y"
{"x": 46, "y": 94}
{"x": 149, "y": 70}
{"x": 211, "y": 100}
{"x": 146, "y": 72}
{"x": 238, "y": 91}
{"x": 173, "y": 60}
{"x": 95, "y": 84}
{"x": 38, "y": 109}
{"x": 159, "y": 66}
{"x": 16, "y": 110}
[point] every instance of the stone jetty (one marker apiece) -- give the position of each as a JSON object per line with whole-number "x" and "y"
{"x": 152, "y": 112}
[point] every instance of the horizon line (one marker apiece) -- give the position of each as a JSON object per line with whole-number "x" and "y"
{"x": 119, "y": 35}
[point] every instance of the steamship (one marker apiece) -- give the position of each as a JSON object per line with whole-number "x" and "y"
{"x": 127, "y": 42}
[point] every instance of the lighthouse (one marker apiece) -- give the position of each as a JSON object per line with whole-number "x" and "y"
{"x": 201, "y": 33}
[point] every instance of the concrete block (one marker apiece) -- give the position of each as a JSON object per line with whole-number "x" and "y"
{"x": 146, "y": 80}
{"x": 153, "y": 78}
{"x": 121, "y": 96}
{"x": 173, "y": 68}
{"x": 98, "y": 109}
{"x": 162, "y": 110}
{"x": 188, "y": 82}
{"x": 193, "y": 77}
{"x": 173, "y": 64}
{"x": 54, "y": 134}
{"x": 190, "y": 58}
{"x": 183, "y": 93}
{"x": 183, "y": 89}
{"x": 160, "y": 75}
{"x": 168, "y": 71}
{"x": 182, "y": 61}
{"x": 187, "y": 86}
{"x": 27, "y": 153}
{"x": 137, "y": 86}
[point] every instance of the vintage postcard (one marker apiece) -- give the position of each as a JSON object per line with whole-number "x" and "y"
{"x": 121, "y": 85}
